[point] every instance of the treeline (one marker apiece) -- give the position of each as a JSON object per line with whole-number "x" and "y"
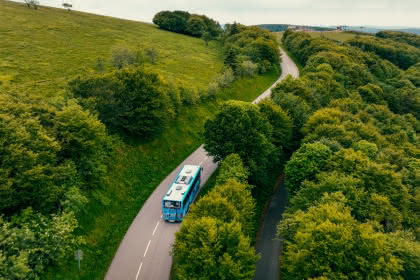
{"x": 401, "y": 54}
{"x": 189, "y": 24}
{"x": 250, "y": 141}
{"x": 354, "y": 188}
{"x": 133, "y": 99}
{"x": 52, "y": 155}
{"x": 403, "y": 37}
{"x": 213, "y": 242}
{"x": 247, "y": 50}
{"x": 249, "y": 45}
{"x": 349, "y": 69}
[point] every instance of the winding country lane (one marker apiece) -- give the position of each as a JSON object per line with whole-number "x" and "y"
{"x": 268, "y": 267}
{"x": 144, "y": 251}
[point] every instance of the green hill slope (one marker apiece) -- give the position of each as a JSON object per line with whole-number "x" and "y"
{"x": 40, "y": 50}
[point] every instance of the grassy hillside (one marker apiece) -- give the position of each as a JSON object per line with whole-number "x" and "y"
{"x": 40, "y": 50}
{"x": 333, "y": 35}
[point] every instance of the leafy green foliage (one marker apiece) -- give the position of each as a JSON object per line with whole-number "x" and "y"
{"x": 31, "y": 242}
{"x": 213, "y": 242}
{"x": 401, "y": 54}
{"x": 186, "y": 23}
{"x": 305, "y": 163}
{"x": 329, "y": 242}
{"x": 280, "y": 122}
{"x": 46, "y": 150}
{"x": 232, "y": 168}
{"x": 206, "y": 248}
{"x": 411, "y": 39}
{"x": 352, "y": 212}
{"x": 229, "y": 202}
{"x": 133, "y": 100}
{"x": 240, "y": 128}
{"x": 252, "y": 44}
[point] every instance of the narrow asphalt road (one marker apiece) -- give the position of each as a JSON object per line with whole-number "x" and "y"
{"x": 268, "y": 267}
{"x": 144, "y": 251}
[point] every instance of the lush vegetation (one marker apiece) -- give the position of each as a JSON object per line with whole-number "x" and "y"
{"x": 353, "y": 211}
{"x": 403, "y": 37}
{"x": 214, "y": 242}
{"x": 401, "y": 54}
{"x": 249, "y": 140}
{"x": 190, "y": 24}
{"x": 79, "y": 160}
{"x": 248, "y": 46}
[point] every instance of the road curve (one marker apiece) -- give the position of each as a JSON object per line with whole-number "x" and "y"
{"x": 144, "y": 251}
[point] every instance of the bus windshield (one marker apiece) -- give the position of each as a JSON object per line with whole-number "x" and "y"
{"x": 172, "y": 204}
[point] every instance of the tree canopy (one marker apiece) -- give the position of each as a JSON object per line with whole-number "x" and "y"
{"x": 352, "y": 183}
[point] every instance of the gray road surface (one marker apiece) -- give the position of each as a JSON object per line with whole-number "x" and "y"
{"x": 144, "y": 251}
{"x": 268, "y": 267}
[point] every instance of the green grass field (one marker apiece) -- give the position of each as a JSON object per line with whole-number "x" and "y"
{"x": 333, "y": 35}
{"x": 41, "y": 50}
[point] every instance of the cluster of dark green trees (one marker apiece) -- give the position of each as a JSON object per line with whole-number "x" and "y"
{"x": 353, "y": 183}
{"x": 189, "y": 24}
{"x": 247, "y": 50}
{"x": 403, "y": 37}
{"x": 214, "y": 242}
{"x": 398, "y": 52}
{"x": 134, "y": 100}
{"x": 244, "y": 45}
{"x": 259, "y": 134}
{"x": 52, "y": 154}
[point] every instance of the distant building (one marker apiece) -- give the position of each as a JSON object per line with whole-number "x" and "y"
{"x": 342, "y": 28}
{"x": 299, "y": 28}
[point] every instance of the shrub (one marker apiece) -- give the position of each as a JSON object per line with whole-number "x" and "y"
{"x": 189, "y": 96}
{"x": 226, "y": 78}
{"x": 122, "y": 56}
{"x": 248, "y": 69}
{"x": 212, "y": 90}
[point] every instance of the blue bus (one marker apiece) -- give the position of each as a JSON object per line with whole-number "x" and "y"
{"x": 181, "y": 193}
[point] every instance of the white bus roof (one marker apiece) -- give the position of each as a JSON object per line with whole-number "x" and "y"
{"x": 180, "y": 186}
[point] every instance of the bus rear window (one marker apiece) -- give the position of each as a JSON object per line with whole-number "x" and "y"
{"x": 172, "y": 204}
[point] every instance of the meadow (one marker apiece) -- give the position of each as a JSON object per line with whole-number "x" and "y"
{"x": 339, "y": 36}
{"x": 41, "y": 50}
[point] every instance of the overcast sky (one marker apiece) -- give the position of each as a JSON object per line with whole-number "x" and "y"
{"x": 308, "y": 12}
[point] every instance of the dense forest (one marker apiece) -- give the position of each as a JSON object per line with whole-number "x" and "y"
{"x": 250, "y": 141}
{"x": 350, "y": 124}
{"x": 354, "y": 180}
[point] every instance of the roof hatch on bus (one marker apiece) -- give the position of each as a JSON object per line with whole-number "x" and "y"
{"x": 184, "y": 180}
